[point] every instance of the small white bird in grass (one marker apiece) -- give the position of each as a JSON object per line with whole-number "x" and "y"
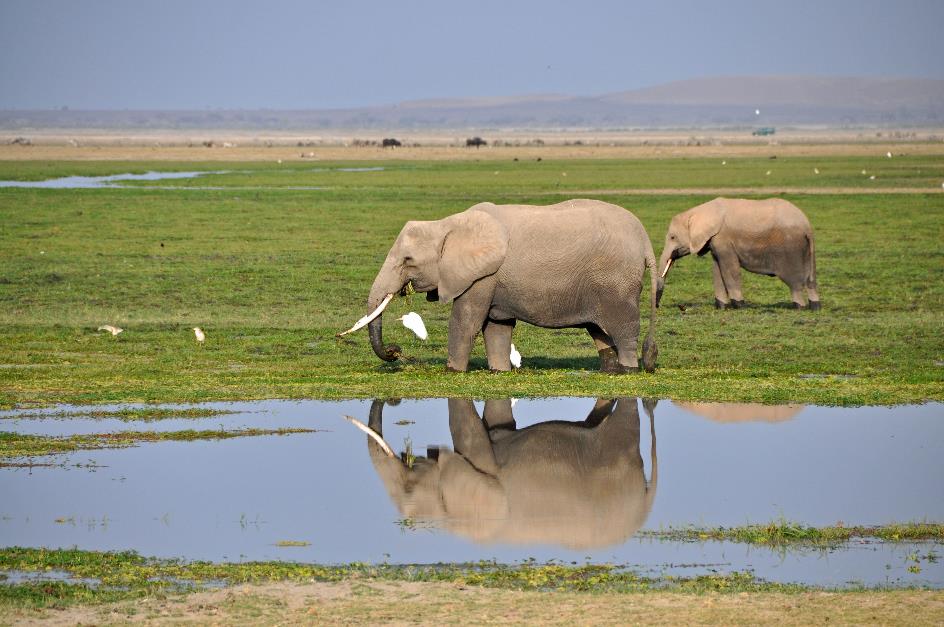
{"x": 768, "y": 172}
{"x": 413, "y": 322}
{"x": 200, "y": 335}
{"x": 888, "y": 154}
{"x": 111, "y": 329}
{"x": 515, "y": 357}
{"x": 815, "y": 170}
{"x": 872, "y": 178}
{"x": 724, "y": 163}
{"x": 864, "y": 172}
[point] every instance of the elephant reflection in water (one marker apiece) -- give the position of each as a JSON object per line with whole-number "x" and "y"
{"x": 742, "y": 412}
{"x": 576, "y": 484}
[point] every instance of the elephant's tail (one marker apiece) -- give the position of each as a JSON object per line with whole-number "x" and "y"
{"x": 811, "y": 263}
{"x": 649, "y": 349}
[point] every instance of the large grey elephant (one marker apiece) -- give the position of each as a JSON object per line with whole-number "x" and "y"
{"x": 771, "y": 237}
{"x": 575, "y": 484}
{"x": 579, "y": 263}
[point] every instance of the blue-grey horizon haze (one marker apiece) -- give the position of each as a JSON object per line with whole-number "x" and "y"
{"x": 283, "y": 54}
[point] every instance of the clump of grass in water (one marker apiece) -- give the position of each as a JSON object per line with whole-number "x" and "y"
{"x": 14, "y": 445}
{"x": 130, "y": 414}
{"x": 408, "y": 457}
{"x": 785, "y": 533}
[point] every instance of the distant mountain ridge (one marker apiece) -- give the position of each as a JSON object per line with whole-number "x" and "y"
{"x": 702, "y": 102}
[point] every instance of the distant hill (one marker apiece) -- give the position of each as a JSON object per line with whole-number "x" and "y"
{"x": 704, "y": 102}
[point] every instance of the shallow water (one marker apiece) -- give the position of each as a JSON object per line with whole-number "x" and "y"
{"x": 112, "y": 181}
{"x": 99, "y": 182}
{"x": 521, "y": 484}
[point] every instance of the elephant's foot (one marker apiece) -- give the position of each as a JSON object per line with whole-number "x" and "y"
{"x": 609, "y": 361}
{"x": 452, "y": 369}
{"x": 720, "y": 304}
{"x": 738, "y": 304}
{"x": 619, "y": 368}
{"x": 815, "y": 306}
{"x": 797, "y": 305}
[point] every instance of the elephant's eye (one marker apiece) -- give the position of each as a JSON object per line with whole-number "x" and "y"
{"x": 408, "y": 260}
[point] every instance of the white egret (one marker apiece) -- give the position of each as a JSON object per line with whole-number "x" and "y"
{"x": 413, "y": 322}
{"x": 199, "y": 334}
{"x": 111, "y": 329}
{"x": 515, "y": 357}
{"x": 768, "y": 172}
{"x": 872, "y": 178}
{"x": 888, "y": 154}
{"x": 815, "y": 170}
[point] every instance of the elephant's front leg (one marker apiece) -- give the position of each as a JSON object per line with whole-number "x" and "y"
{"x": 721, "y": 294}
{"x": 468, "y": 315}
{"x": 498, "y": 343}
{"x": 730, "y": 268}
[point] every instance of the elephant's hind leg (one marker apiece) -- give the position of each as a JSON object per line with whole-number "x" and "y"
{"x": 498, "y": 343}
{"x": 609, "y": 360}
{"x": 622, "y": 326}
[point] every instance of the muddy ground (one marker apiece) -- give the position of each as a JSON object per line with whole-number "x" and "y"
{"x": 354, "y": 602}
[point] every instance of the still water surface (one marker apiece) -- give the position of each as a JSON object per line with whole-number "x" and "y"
{"x": 569, "y": 479}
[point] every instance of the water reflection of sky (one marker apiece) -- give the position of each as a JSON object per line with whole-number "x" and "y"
{"x": 97, "y": 182}
{"x": 235, "y": 499}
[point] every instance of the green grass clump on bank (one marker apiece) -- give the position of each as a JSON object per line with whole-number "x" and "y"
{"x": 104, "y": 577}
{"x": 16, "y": 445}
{"x": 272, "y": 273}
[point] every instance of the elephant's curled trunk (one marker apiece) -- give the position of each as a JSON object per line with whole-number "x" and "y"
{"x": 389, "y": 352}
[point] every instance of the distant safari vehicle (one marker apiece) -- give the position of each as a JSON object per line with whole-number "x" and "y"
{"x": 764, "y": 130}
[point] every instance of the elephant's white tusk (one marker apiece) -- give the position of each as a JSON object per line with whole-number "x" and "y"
{"x": 666, "y": 270}
{"x": 363, "y": 322}
{"x": 373, "y": 435}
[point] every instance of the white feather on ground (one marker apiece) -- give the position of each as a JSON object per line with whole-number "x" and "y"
{"x": 515, "y": 357}
{"x": 199, "y": 334}
{"x": 414, "y": 322}
{"x": 111, "y": 329}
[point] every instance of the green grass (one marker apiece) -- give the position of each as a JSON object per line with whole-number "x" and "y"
{"x": 784, "y": 534}
{"x": 271, "y": 274}
{"x": 127, "y": 575}
{"x": 126, "y": 414}
{"x": 16, "y": 445}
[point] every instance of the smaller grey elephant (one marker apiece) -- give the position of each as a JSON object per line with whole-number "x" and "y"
{"x": 771, "y": 237}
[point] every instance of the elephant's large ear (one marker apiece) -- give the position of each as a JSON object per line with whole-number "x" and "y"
{"x": 474, "y": 247}
{"x": 704, "y": 223}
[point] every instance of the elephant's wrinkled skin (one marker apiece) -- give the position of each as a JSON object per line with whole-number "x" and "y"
{"x": 575, "y": 484}
{"x": 771, "y": 237}
{"x": 579, "y": 263}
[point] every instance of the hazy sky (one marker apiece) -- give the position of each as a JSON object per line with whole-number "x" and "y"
{"x": 195, "y": 54}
